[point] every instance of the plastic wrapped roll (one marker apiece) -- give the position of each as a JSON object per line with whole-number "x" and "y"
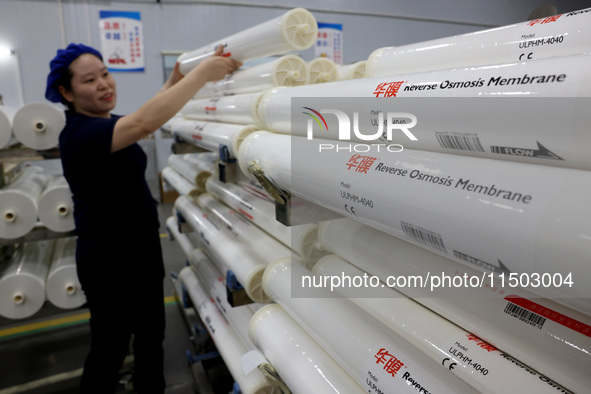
{"x": 22, "y": 284}
{"x": 221, "y": 247}
{"x": 212, "y": 136}
{"x": 56, "y": 208}
{"x": 38, "y": 125}
{"x": 19, "y": 202}
{"x": 288, "y": 70}
{"x": 300, "y": 362}
{"x": 6, "y": 118}
{"x": 63, "y": 289}
{"x": 536, "y": 98}
{"x": 351, "y": 71}
{"x": 226, "y": 340}
{"x": 189, "y": 169}
{"x": 322, "y": 70}
{"x": 512, "y": 319}
{"x": 557, "y": 35}
{"x": 239, "y": 109}
{"x": 361, "y": 347}
{"x": 437, "y": 337}
{"x": 177, "y": 181}
{"x": 294, "y": 30}
{"x": 530, "y": 216}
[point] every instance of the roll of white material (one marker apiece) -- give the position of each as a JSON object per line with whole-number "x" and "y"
{"x": 294, "y": 30}
{"x": 535, "y": 98}
{"x": 322, "y": 70}
{"x": 212, "y": 135}
{"x": 6, "y": 119}
{"x": 288, "y": 70}
{"x": 221, "y": 247}
{"x": 370, "y": 353}
{"x": 554, "y": 36}
{"x": 239, "y": 109}
{"x": 512, "y": 319}
{"x": 63, "y": 289}
{"x": 530, "y": 216}
{"x": 351, "y": 71}
{"x": 437, "y": 337}
{"x": 177, "y": 181}
{"x": 300, "y": 362}
{"x": 56, "y": 208}
{"x": 226, "y": 340}
{"x": 19, "y": 202}
{"x": 22, "y": 284}
{"x": 203, "y": 161}
{"x": 38, "y": 125}
{"x": 189, "y": 169}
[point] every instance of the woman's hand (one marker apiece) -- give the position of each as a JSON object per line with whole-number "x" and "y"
{"x": 174, "y": 77}
{"x": 216, "y": 66}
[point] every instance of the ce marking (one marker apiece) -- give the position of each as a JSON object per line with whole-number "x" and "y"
{"x": 451, "y": 365}
{"x": 350, "y": 210}
{"x": 529, "y": 56}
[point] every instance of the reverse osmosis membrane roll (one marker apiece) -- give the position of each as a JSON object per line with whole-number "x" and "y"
{"x": 63, "y": 289}
{"x": 300, "y": 362}
{"x": 557, "y": 35}
{"x": 294, "y": 30}
{"x": 513, "y": 216}
{"x": 474, "y": 361}
{"x": 226, "y": 340}
{"x": 177, "y": 181}
{"x": 56, "y": 208}
{"x": 239, "y": 109}
{"x": 22, "y": 284}
{"x": 509, "y": 111}
{"x": 222, "y": 248}
{"x": 6, "y": 118}
{"x": 19, "y": 202}
{"x": 38, "y": 125}
{"x": 288, "y": 70}
{"x": 258, "y": 209}
{"x": 212, "y": 135}
{"x": 512, "y": 319}
{"x": 374, "y": 356}
{"x": 184, "y": 241}
{"x": 351, "y": 71}
{"x": 203, "y": 161}
{"x": 322, "y": 70}
{"x": 193, "y": 169}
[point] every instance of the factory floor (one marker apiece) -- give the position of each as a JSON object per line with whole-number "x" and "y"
{"x": 45, "y": 353}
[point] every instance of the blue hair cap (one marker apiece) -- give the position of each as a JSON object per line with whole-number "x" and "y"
{"x": 60, "y": 64}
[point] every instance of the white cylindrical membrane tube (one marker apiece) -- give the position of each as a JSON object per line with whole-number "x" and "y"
{"x": 19, "y": 202}
{"x": 322, "y": 70}
{"x": 38, "y": 125}
{"x": 226, "y": 340}
{"x": 302, "y": 239}
{"x": 558, "y": 35}
{"x": 63, "y": 289}
{"x": 184, "y": 241}
{"x": 532, "y": 217}
{"x": 374, "y": 356}
{"x": 294, "y": 30}
{"x": 476, "y": 362}
{"x": 222, "y": 247}
{"x": 22, "y": 284}
{"x": 288, "y": 70}
{"x": 351, "y": 71}
{"x": 300, "y": 362}
{"x": 56, "y": 208}
{"x": 190, "y": 168}
{"x": 6, "y": 119}
{"x": 177, "y": 181}
{"x": 203, "y": 161}
{"x": 239, "y": 109}
{"x": 212, "y": 135}
{"x": 512, "y": 319}
{"x": 535, "y": 98}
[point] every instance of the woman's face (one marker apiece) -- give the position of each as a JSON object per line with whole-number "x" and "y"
{"x": 94, "y": 91}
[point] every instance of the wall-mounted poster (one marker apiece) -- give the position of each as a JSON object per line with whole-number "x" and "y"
{"x": 329, "y": 43}
{"x": 122, "y": 40}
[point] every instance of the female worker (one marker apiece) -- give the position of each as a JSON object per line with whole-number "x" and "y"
{"x": 118, "y": 254}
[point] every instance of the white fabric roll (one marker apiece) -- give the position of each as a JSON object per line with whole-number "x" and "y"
{"x": 63, "y": 288}
{"x": 22, "y": 284}
{"x": 294, "y": 30}
{"x": 239, "y": 109}
{"x": 6, "y": 119}
{"x": 177, "y": 181}
{"x": 38, "y": 125}
{"x": 19, "y": 202}
{"x": 56, "y": 208}
{"x": 300, "y": 362}
{"x": 351, "y": 71}
{"x": 322, "y": 70}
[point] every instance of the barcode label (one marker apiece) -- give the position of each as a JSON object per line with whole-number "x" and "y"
{"x": 423, "y": 236}
{"x": 533, "y": 319}
{"x": 460, "y": 142}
